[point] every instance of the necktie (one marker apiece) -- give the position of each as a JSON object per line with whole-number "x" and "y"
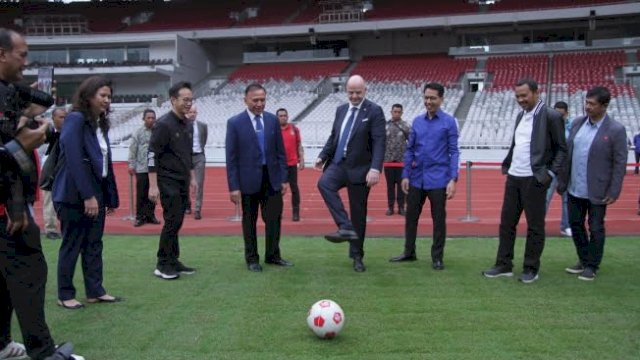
{"x": 344, "y": 137}
{"x": 260, "y": 135}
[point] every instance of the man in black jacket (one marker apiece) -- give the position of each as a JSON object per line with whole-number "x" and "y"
{"x": 537, "y": 155}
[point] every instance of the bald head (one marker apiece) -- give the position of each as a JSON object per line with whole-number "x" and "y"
{"x": 356, "y": 89}
{"x": 193, "y": 113}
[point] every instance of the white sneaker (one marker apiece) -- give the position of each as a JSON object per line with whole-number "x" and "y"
{"x": 566, "y": 232}
{"x": 13, "y": 351}
{"x": 76, "y": 357}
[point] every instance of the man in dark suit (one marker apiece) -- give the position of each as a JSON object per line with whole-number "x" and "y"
{"x": 537, "y": 155}
{"x": 352, "y": 158}
{"x": 597, "y": 152}
{"x": 257, "y": 175}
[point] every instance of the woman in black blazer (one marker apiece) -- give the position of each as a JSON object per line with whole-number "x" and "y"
{"x": 84, "y": 191}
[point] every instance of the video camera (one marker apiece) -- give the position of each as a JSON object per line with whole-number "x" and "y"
{"x": 14, "y": 99}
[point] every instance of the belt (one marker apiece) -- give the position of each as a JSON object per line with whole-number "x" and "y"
{"x": 194, "y": 154}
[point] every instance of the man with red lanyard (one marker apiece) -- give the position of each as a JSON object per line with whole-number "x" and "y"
{"x": 295, "y": 157}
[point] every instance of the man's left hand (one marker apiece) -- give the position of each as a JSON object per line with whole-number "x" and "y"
{"x": 373, "y": 177}
{"x": 451, "y": 189}
{"x": 608, "y": 200}
{"x": 285, "y": 187}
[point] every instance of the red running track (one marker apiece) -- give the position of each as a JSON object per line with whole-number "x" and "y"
{"x": 487, "y": 192}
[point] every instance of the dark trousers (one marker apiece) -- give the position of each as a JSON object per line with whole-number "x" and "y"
{"x": 332, "y": 180}
{"x": 270, "y": 204}
{"x": 23, "y": 278}
{"x": 81, "y": 235}
{"x": 590, "y": 247}
{"x": 173, "y": 197}
{"x": 293, "y": 186}
{"x": 522, "y": 193}
{"x": 145, "y": 208}
{"x": 635, "y": 171}
{"x": 393, "y": 175}
{"x": 415, "y": 202}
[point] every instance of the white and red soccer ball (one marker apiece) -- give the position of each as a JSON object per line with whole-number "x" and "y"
{"x": 325, "y": 319}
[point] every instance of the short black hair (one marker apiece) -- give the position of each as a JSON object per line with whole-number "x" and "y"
{"x": 146, "y": 111}
{"x": 175, "y": 89}
{"x": 281, "y": 109}
{"x": 532, "y": 84}
{"x": 396, "y": 106}
{"x": 601, "y": 93}
{"x": 434, "y": 86}
{"x": 252, "y": 87}
{"x": 561, "y": 105}
{"x": 6, "y": 38}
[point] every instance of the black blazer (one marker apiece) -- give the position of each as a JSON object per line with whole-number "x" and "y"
{"x": 366, "y": 144}
{"x": 548, "y": 145}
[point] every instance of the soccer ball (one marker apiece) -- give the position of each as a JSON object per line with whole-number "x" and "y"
{"x": 325, "y": 319}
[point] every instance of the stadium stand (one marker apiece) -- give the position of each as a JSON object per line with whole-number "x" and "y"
{"x": 288, "y": 71}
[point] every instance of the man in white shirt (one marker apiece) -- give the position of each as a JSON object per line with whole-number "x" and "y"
{"x": 537, "y": 155}
{"x": 198, "y": 158}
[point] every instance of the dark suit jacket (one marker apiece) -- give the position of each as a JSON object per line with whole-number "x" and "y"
{"x": 202, "y": 133}
{"x": 366, "y": 144}
{"x": 80, "y": 177}
{"x": 548, "y": 145}
{"x": 607, "y": 161}
{"x": 244, "y": 157}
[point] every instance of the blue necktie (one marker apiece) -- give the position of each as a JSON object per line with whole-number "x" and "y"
{"x": 344, "y": 137}
{"x": 260, "y": 135}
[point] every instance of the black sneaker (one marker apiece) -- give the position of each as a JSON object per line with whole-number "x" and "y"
{"x": 166, "y": 272}
{"x": 575, "y": 269}
{"x": 587, "y": 275}
{"x": 528, "y": 277}
{"x": 183, "y": 269}
{"x": 495, "y": 272}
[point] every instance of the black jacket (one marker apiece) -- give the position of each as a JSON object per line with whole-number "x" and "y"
{"x": 548, "y": 145}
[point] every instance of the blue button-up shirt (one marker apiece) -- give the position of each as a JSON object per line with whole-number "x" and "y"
{"x": 432, "y": 155}
{"x": 580, "y": 157}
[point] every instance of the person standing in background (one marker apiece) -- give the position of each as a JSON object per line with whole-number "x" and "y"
{"x": 48, "y": 211}
{"x": 565, "y": 229}
{"x": 295, "y": 158}
{"x": 397, "y": 136}
{"x": 200, "y": 132}
{"x": 636, "y": 151}
{"x": 138, "y": 166}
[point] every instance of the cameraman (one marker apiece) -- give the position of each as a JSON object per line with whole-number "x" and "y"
{"x": 23, "y": 268}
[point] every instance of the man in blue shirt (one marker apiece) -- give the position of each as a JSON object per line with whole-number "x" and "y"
{"x": 636, "y": 145}
{"x": 597, "y": 159}
{"x": 430, "y": 171}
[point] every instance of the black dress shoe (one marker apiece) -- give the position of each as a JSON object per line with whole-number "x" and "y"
{"x": 402, "y": 212}
{"x": 278, "y": 262}
{"x": 153, "y": 220}
{"x": 389, "y": 212}
{"x": 138, "y": 223}
{"x": 404, "y": 257}
{"x": 198, "y": 215}
{"x": 438, "y": 265}
{"x": 255, "y": 267}
{"x": 358, "y": 265}
{"x": 53, "y": 236}
{"x": 295, "y": 217}
{"x": 342, "y": 236}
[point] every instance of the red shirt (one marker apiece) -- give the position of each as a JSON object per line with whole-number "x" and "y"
{"x": 291, "y": 139}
